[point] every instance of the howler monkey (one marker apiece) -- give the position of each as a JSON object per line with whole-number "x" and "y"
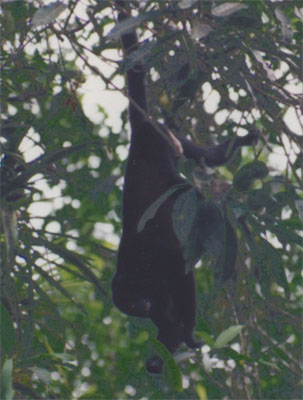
{"x": 152, "y": 279}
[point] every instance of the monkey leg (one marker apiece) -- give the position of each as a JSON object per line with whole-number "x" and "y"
{"x": 165, "y": 315}
{"x": 170, "y": 328}
{"x": 174, "y": 313}
{"x": 225, "y": 267}
{"x": 185, "y": 300}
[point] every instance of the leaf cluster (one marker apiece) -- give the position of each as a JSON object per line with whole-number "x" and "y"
{"x": 61, "y": 176}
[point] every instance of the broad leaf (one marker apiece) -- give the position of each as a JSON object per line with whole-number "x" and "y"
{"x": 226, "y": 9}
{"x": 270, "y": 73}
{"x": 39, "y": 164}
{"x": 153, "y": 208}
{"x": 184, "y": 214}
{"x": 299, "y": 207}
{"x": 248, "y": 174}
{"x": 227, "y": 336}
{"x": 130, "y": 24}
{"x": 201, "y": 392}
{"x": 171, "y": 371}
{"x": 54, "y": 283}
{"x": 7, "y": 332}
{"x": 206, "y": 338}
{"x": 139, "y": 55}
{"x": 9, "y": 219}
{"x": 274, "y": 266}
{"x": 74, "y": 259}
{"x": 47, "y": 14}
{"x": 7, "y": 392}
{"x": 183, "y": 4}
{"x": 287, "y": 32}
{"x": 200, "y": 29}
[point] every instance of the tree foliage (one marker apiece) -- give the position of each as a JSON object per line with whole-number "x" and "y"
{"x": 216, "y": 70}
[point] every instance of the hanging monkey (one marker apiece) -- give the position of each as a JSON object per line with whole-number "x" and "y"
{"x": 152, "y": 279}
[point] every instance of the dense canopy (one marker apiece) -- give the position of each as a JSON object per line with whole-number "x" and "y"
{"x": 215, "y": 69}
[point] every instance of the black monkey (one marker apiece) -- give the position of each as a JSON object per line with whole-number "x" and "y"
{"x": 152, "y": 280}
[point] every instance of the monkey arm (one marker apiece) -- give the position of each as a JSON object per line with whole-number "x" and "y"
{"x": 219, "y": 154}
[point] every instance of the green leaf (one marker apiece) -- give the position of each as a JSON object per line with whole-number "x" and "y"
{"x": 226, "y": 243}
{"x": 269, "y": 364}
{"x": 138, "y": 55}
{"x": 274, "y": 265}
{"x": 299, "y": 161}
{"x": 258, "y": 199}
{"x": 10, "y": 225}
{"x": 7, "y": 332}
{"x": 43, "y": 359}
{"x": 198, "y": 226}
{"x": 7, "y": 392}
{"x": 201, "y": 392}
{"x": 171, "y": 371}
{"x": 260, "y": 266}
{"x": 286, "y": 236}
{"x": 65, "y": 357}
{"x": 287, "y": 32}
{"x": 130, "y": 23}
{"x": 153, "y": 208}
{"x": 226, "y": 9}
{"x": 105, "y": 186}
{"x": 237, "y": 357}
{"x": 239, "y": 209}
{"x": 42, "y": 162}
{"x": 74, "y": 259}
{"x": 59, "y": 287}
{"x": 187, "y": 225}
{"x": 248, "y": 174}
{"x": 43, "y": 374}
{"x": 206, "y": 338}
{"x": 183, "y": 4}
{"x": 227, "y": 336}
{"x": 47, "y": 14}
{"x": 184, "y": 214}
{"x": 299, "y": 207}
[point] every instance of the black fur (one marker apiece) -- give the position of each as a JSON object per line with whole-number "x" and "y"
{"x": 151, "y": 279}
